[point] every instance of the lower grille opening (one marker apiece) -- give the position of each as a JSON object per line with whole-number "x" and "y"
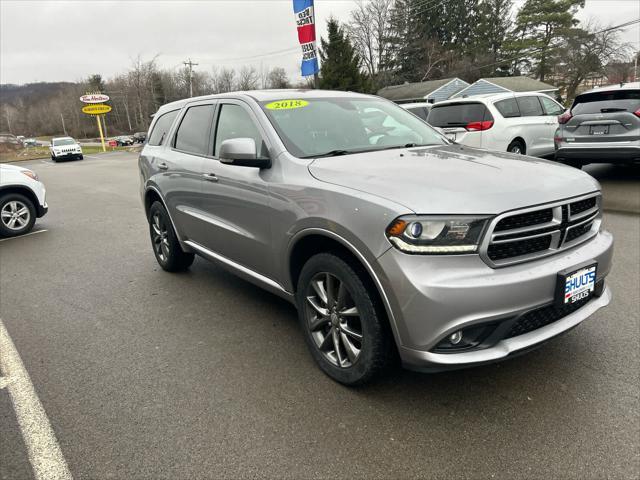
{"x": 499, "y": 251}
{"x": 541, "y": 317}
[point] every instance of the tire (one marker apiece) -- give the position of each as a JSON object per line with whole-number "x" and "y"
{"x": 343, "y": 315}
{"x": 12, "y": 221}
{"x": 53, "y": 159}
{"x": 573, "y": 163}
{"x": 164, "y": 241}
{"x": 517, "y": 147}
{"x": 80, "y": 157}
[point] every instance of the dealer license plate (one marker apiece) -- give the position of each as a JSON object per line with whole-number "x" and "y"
{"x": 577, "y": 284}
{"x": 599, "y": 130}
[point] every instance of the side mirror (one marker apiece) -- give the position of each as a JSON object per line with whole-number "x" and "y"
{"x": 242, "y": 152}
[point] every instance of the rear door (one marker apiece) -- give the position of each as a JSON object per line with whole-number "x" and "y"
{"x": 551, "y": 110}
{"x": 462, "y": 122}
{"x": 609, "y": 117}
{"x": 534, "y": 127}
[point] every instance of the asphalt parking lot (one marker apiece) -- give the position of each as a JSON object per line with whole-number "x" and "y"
{"x": 145, "y": 374}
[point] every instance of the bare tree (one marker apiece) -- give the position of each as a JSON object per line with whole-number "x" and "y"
{"x": 369, "y": 30}
{"x": 277, "y": 78}
{"x": 248, "y": 78}
{"x": 223, "y": 80}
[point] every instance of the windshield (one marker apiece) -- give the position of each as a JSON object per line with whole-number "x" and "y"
{"x": 603, "y": 102}
{"x": 340, "y": 126}
{"x": 64, "y": 141}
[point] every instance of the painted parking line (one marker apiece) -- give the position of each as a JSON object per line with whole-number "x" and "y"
{"x": 25, "y": 235}
{"x": 43, "y": 449}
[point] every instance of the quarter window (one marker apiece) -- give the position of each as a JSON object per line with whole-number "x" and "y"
{"x": 551, "y": 107}
{"x": 195, "y": 130}
{"x": 234, "y": 122}
{"x": 161, "y": 127}
{"x": 529, "y": 106}
{"x": 508, "y": 108}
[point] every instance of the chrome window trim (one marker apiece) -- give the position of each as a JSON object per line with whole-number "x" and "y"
{"x": 557, "y": 242}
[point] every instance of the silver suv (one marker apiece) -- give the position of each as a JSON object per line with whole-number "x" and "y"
{"x": 602, "y": 126}
{"x": 389, "y": 239}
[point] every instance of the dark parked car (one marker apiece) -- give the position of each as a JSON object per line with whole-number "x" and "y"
{"x": 139, "y": 137}
{"x": 602, "y": 126}
{"x": 124, "y": 141}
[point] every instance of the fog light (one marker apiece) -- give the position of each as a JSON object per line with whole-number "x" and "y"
{"x": 455, "y": 338}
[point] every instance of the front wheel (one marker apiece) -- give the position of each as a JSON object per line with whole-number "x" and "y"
{"x": 345, "y": 332}
{"x": 17, "y": 215}
{"x": 164, "y": 241}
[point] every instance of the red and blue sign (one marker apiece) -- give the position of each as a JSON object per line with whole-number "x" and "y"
{"x": 306, "y": 24}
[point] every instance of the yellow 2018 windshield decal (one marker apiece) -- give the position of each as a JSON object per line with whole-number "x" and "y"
{"x": 286, "y": 104}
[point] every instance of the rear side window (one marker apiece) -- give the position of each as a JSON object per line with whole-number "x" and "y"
{"x": 529, "y": 106}
{"x": 194, "y": 132}
{"x": 605, "y": 102}
{"x": 508, "y": 108}
{"x": 551, "y": 107}
{"x": 458, "y": 114}
{"x": 161, "y": 127}
{"x": 419, "y": 111}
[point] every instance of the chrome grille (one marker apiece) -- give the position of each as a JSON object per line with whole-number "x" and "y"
{"x": 531, "y": 233}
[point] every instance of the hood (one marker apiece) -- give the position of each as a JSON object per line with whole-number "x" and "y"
{"x": 454, "y": 179}
{"x": 15, "y": 168}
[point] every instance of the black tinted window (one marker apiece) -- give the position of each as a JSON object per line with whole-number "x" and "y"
{"x": 161, "y": 127}
{"x": 508, "y": 108}
{"x": 551, "y": 107}
{"x": 194, "y": 131}
{"x": 529, "y": 106}
{"x": 419, "y": 111}
{"x": 235, "y": 122}
{"x": 458, "y": 114}
{"x": 603, "y": 102}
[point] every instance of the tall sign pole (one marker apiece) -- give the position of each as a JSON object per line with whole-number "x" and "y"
{"x": 306, "y": 26}
{"x": 95, "y": 107}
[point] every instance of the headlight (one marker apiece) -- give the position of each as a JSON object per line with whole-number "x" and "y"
{"x": 436, "y": 234}
{"x": 30, "y": 174}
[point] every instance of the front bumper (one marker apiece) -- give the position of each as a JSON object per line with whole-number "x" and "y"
{"x": 66, "y": 155}
{"x": 434, "y": 296}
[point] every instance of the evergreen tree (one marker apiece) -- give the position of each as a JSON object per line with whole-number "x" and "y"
{"x": 340, "y": 68}
{"x": 491, "y": 34}
{"x": 96, "y": 83}
{"x": 541, "y": 28}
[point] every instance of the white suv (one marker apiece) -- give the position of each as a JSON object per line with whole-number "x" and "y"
{"x": 513, "y": 122}
{"x": 65, "y": 148}
{"x": 22, "y": 200}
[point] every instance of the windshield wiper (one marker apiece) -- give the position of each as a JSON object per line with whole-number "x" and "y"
{"x": 612, "y": 109}
{"x": 331, "y": 153}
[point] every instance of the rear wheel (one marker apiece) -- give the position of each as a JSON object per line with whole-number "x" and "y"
{"x": 573, "y": 163}
{"x": 17, "y": 215}
{"x": 164, "y": 241}
{"x": 345, "y": 332}
{"x": 516, "y": 147}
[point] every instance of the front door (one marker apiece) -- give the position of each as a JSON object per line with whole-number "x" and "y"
{"x": 236, "y": 199}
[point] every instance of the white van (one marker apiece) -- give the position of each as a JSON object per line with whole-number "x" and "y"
{"x": 507, "y": 122}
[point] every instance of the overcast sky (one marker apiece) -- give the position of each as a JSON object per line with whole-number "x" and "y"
{"x": 69, "y": 40}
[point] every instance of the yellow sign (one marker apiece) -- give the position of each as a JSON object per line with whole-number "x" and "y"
{"x": 96, "y": 109}
{"x": 286, "y": 104}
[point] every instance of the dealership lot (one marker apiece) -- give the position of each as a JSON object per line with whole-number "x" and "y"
{"x": 144, "y": 374}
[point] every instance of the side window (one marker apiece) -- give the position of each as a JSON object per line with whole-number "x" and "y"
{"x": 419, "y": 111}
{"x": 551, "y": 107}
{"x": 194, "y": 131}
{"x": 234, "y": 122}
{"x": 530, "y": 106}
{"x": 161, "y": 127}
{"x": 508, "y": 108}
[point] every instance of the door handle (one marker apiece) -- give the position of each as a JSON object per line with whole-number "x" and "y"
{"x": 163, "y": 166}
{"x": 210, "y": 176}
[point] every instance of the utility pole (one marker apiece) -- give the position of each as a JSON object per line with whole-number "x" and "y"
{"x": 190, "y": 64}
{"x": 63, "y": 127}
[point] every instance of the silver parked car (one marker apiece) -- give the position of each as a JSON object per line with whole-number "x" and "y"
{"x": 388, "y": 238}
{"x": 602, "y": 126}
